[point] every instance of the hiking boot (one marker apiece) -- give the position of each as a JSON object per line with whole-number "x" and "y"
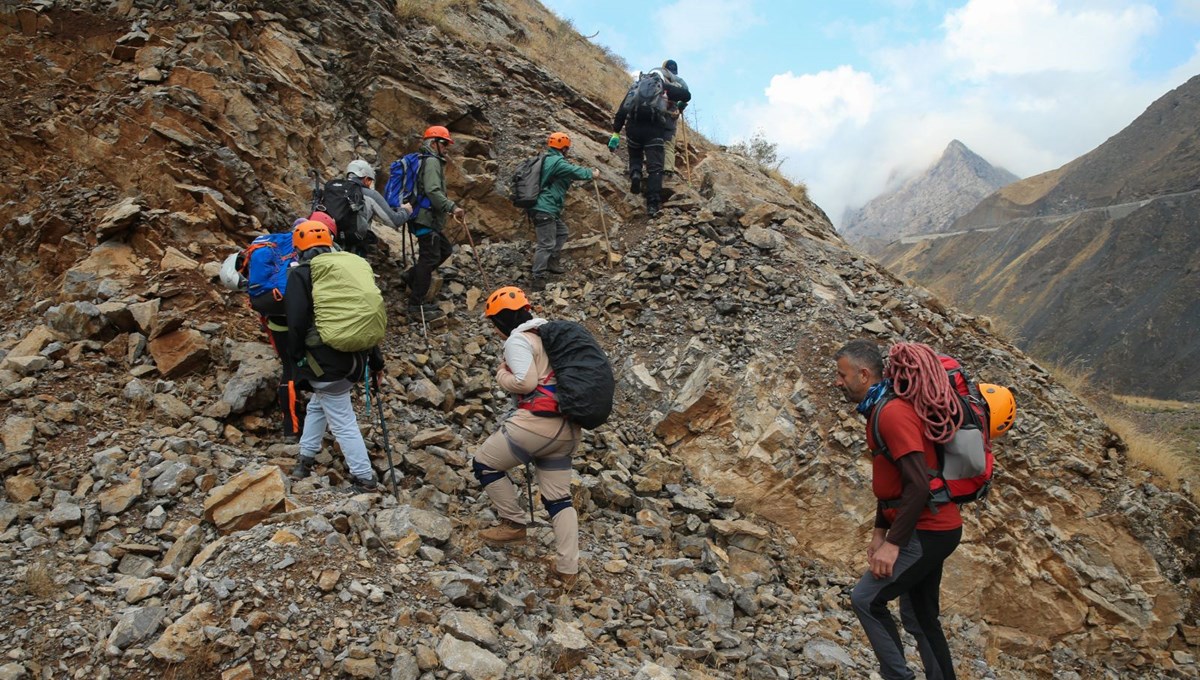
{"x": 368, "y": 485}
{"x": 507, "y": 532}
{"x": 635, "y": 182}
{"x": 556, "y": 266}
{"x": 652, "y": 210}
{"x": 568, "y": 580}
{"x": 431, "y": 312}
{"x": 303, "y": 467}
{"x": 537, "y": 284}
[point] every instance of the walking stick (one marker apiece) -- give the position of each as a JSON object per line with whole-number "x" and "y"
{"x": 687, "y": 156}
{"x": 387, "y": 444}
{"x": 603, "y": 222}
{"x": 474, "y": 252}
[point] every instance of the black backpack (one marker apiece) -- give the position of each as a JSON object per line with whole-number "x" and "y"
{"x": 342, "y": 199}
{"x": 584, "y": 376}
{"x": 646, "y": 101}
{"x": 526, "y": 183}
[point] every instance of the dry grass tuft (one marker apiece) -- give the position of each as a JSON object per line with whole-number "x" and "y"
{"x": 1162, "y": 454}
{"x": 200, "y": 665}
{"x": 433, "y": 12}
{"x": 39, "y": 580}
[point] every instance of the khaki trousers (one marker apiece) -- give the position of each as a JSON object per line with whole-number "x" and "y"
{"x": 550, "y": 443}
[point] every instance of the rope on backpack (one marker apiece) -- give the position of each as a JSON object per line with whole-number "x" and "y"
{"x": 918, "y": 377}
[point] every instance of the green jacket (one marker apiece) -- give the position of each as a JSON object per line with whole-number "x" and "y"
{"x": 432, "y": 183}
{"x": 557, "y": 175}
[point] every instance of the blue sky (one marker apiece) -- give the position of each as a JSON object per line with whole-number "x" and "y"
{"x": 860, "y": 94}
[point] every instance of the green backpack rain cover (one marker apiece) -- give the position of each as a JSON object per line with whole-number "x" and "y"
{"x": 347, "y": 304}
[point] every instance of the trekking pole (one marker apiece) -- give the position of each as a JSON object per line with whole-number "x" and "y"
{"x": 387, "y": 444}
{"x": 687, "y": 157}
{"x": 603, "y": 222}
{"x": 474, "y": 252}
{"x": 529, "y": 490}
{"x": 316, "y": 194}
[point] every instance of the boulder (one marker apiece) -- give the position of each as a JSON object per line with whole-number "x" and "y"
{"x": 77, "y": 320}
{"x": 185, "y": 637}
{"x": 247, "y": 499}
{"x": 396, "y": 523}
{"x": 17, "y": 434}
{"x": 136, "y": 625}
{"x": 179, "y": 352}
{"x": 117, "y": 499}
{"x": 118, "y": 218}
{"x": 473, "y": 661}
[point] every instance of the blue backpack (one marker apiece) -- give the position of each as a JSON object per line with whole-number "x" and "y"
{"x": 402, "y": 186}
{"x": 265, "y": 264}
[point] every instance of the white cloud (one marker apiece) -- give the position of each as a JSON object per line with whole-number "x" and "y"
{"x": 695, "y": 26}
{"x": 1013, "y": 37}
{"x": 802, "y": 111}
{"x": 1189, "y": 9}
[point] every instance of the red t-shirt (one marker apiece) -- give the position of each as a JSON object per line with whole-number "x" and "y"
{"x": 900, "y": 428}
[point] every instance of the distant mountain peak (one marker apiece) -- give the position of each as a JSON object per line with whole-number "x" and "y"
{"x": 928, "y": 202}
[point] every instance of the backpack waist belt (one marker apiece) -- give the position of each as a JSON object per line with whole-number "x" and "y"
{"x": 542, "y": 401}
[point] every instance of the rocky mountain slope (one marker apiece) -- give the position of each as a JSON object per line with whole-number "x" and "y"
{"x": 927, "y": 203}
{"x": 1095, "y": 263}
{"x": 148, "y": 525}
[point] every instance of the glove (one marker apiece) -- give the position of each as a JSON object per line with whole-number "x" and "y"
{"x": 614, "y": 142}
{"x": 376, "y": 381}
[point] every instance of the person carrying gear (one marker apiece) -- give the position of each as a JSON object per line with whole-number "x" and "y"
{"x": 535, "y": 433}
{"x": 643, "y": 115}
{"x": 546, "y": 214}
{"x": 678, "y": 97}
{"x": 374, "y": 205}
{"x": 330, "y": 372}
{"x": 428, "y": 226}
{"x": 912, "y": 538}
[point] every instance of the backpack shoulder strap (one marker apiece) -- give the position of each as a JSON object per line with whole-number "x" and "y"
{"x": 881, "y": 448}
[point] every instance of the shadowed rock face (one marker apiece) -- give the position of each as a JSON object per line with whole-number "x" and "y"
{"x": 928, "y": 203}
{"x": 1095, "y": 263}
{"x": 725, "y": 507}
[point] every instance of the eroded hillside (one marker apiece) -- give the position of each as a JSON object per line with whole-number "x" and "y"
{"x": 724, "y": 510}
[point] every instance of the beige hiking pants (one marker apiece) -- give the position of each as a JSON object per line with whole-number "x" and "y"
{"x": 549, "y": 442}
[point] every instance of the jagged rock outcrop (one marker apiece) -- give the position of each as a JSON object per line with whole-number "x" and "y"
{"x": 927, "y": 203}
{"x": 1094, "y": 264}
{"x": 724, "y": 508}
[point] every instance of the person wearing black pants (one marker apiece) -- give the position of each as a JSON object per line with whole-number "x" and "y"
{"x": 433, "y": 249}
{"x": 912, "y": 538}
{"x": 647, "y": 129}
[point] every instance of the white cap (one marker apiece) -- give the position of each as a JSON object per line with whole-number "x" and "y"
{"x": 360, "y": 168}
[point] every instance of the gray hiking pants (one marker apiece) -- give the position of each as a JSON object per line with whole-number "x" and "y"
{"x": 917, "y": 581}
{"x": 552, "y": 235}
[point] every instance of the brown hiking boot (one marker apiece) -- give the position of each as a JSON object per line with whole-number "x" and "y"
{"x": 506, "y": 532}
{"x": 568, "y": 580}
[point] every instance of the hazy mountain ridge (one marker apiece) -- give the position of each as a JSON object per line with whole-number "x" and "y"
{"x": 929, "y": 202}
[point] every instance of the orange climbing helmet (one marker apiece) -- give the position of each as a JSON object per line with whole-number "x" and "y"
{"x": 438, "y": 132}
{"x": 559, "y": 140}
{"x": 1001, "y": 405}
{"x": 508, "y": 297}
{"x": 311, "y": 234}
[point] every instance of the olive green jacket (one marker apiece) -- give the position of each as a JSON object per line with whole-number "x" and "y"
{"x": 432, "y": 184}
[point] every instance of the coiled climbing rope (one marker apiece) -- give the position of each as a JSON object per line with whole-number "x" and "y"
{"x": 919, "y": 378}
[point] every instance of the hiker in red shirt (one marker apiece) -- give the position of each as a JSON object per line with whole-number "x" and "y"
{"x": 912, "y": 538}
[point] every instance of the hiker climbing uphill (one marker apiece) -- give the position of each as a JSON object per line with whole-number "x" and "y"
{"x": 352, "y": 203}
{"x": 912, "y": 537}
{"x": 336, "y": 320}
{"x": 643, "y": 114}
{"x": 429, "y": 225}
{"x": 678, "y": 96}
{"x": 545, "y": 429}
{"x": 555, "y": 176}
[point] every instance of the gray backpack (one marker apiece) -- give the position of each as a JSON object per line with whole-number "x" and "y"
{"x": 527, "y": 182}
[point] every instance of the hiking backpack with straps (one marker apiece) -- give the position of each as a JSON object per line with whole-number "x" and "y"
{"x": 585, "y": 385}
{"x": 965, "y": 463}
{"x": 403, "y": 185}
{"x": 348, "y": 309}
{"x": 265, "y": 264}
{"x": 647, "y": 99}
{"x": 526, "y": 182}
{"x": 342, "y": 199}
